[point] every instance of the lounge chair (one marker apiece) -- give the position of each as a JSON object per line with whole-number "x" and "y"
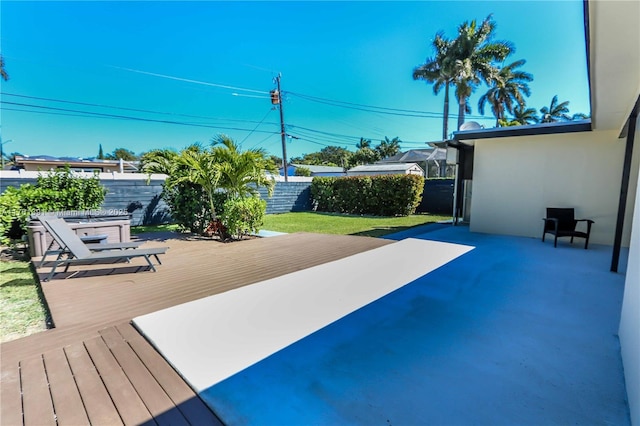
{"x": 80, "y": 253}
{"x": 93, "y": 242}
{"x": 561, "y": 222}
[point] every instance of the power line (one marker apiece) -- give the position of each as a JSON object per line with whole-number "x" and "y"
{"x": 224, "y": 86}
{"x": 123, "y": 117}
{"x": 127, "y": 108}
{"x": 378, "y": 109}
{"x": 257, "y": 125}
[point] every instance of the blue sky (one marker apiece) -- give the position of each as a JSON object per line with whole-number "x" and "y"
{"x": 159, "y": 62}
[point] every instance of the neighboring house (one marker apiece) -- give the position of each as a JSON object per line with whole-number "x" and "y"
{"x": 588, "y": 165}
{"x": 386, "y": 169}
{"x": 47, "y": 162}
{"x": 325, "y": 171}
{"x": 432, "y": 160}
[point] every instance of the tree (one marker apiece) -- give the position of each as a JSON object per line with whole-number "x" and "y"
{"x": 3, "y": 72}
{"x": 388, "y": 148}
{"x": 525, "y": 116}
{"x": 364, "y": 143}
{"x": 100, "y": 153}
{"x": 328, "y": 156}
{"x": 474, "y": 54}
{"x": 161, "y": 161}
{"x": 276, "y": 160}
{"x": 439, "y": 70}
{"x": 197, "y": 166}
{"x": 122, "y": 153}
{"x": 363, "y": 156}
{"x": 240, "y": 173}
{"x": 507, "y": 91}
{"x": 555, "y": 112}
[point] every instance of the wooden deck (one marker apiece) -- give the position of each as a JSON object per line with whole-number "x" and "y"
{"x": 94, "y": 367}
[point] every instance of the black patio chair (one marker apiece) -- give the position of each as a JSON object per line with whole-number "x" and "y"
{"x": 561, "y": 222}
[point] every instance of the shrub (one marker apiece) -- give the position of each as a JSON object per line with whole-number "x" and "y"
{"x": 384, "y": 195}
{"x": 322, "y": 194}
{"x": 302, "y": 171}
{"x": 189, "y": 205}
{"x": 11, "y": 215}
{"x": 59, "y": 190}
{"x": 243, "y": 216}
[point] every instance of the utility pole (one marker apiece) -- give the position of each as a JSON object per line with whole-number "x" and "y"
{"x": 276, "y": 99}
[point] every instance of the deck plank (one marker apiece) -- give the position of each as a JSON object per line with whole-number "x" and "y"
{"x": 122, "y": 393}
{"x": 95, "y": 398}
{"x": 10, "y": 395}
{"x": 185, "y": 399}
{"x": 66, "y": 398}
{"x": 156, "y": 400}
{"x": 37, "y": 404}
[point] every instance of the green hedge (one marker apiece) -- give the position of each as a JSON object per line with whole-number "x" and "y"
{"x": 383, "y": 195}
{"x": 59, "y": 190}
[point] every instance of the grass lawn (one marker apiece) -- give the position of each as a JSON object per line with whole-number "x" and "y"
{"x": 329, "y": 223}
{"x": 21, "y": 312}
{"x": 135, "y": 230}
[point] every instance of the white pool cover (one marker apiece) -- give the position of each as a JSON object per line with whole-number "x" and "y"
{"x": 211, "y": 339}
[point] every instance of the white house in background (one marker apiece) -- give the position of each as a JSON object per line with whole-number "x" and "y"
{"x": 47, "y": 162}
{"x": 430, "y": 159}
{"x": 322, "y": 171}
{"x": 590, "y": 166}
{"x": 386, "y": 169}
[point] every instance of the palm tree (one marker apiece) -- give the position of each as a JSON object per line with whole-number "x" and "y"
{"x": 241, "y": 173}
{"x": 159, "y": 161}
{"x": 474, "y": 54}
{"x": 3, "y": 71}
{"x": 439, "y": 71}
{"x": 525, "y": 116}
{"x": 555, "y": 112}
{"x": 198, "y": 167}
{"x": 507, "y": 91}
{"x": 388, "y": 148}
{"x": 364, "y": 143}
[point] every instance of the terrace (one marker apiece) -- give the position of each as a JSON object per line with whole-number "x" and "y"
{"x": 513, "y": 331}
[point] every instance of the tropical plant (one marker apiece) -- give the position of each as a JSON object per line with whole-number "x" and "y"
{"x": 161, "y": 161}
{"x": 439, "y": 71}
{"x": 363, "y": 156}
{"x": 240, "y": 173}
{"x": 555, "y": 111}
{"x": 474, "y": 54}
{"x": 243, "y": 216}
{"x": 364, "y": 143}
{"x": 524, "y": 116}
{"x": 200, "y": 168}
{"x": 507, "y": 91}
{"x": 388, "y": 148}
{"x": 579, "y": 116}
{"x": 3, "y": 72}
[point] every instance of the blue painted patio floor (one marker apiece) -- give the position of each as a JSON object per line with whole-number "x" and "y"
{"x": 513, "y": 332}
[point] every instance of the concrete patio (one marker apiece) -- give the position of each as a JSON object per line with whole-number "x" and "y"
{"x": 512, "y": 332}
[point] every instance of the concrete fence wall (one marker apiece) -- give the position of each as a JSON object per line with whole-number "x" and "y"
{"x": 132, "y": 192}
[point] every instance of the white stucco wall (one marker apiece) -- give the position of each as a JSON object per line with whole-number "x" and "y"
{"x": 629, "y": 332}
{"x": 516, "y": 178}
